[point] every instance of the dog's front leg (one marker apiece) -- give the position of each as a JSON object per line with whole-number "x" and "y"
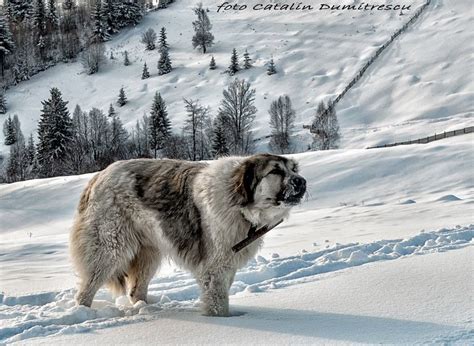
{"x": 215, "y": 285}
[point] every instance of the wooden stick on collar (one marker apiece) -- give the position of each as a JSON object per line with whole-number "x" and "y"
{"x": 253, "y": 235}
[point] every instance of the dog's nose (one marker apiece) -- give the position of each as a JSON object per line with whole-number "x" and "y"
{"x": 299, "y": 183}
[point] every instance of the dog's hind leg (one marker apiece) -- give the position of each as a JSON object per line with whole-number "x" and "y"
{"x": 90, "y": 284}
{"x": 141, "y": 271}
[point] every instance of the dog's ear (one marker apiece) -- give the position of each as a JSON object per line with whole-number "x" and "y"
{"x": 243, "y": 182}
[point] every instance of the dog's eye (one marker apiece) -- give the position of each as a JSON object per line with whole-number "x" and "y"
{"x": 277, "y": 171}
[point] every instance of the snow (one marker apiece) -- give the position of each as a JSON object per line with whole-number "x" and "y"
{"x": 325, "y": 240}
{"x": 379, "y": 252}
{"x": 416, "y": 88}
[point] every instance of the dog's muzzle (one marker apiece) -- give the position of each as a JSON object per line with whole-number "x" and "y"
{"x": 295, "y": 190}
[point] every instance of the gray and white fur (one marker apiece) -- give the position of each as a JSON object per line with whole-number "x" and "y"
{"x": 137, "y": 212}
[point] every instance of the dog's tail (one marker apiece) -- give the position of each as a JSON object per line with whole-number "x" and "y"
{"x": 117, "y": 284}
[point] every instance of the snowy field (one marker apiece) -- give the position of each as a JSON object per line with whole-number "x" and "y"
{"x": 403, "y": 217}
{"x": 381, "y": 251}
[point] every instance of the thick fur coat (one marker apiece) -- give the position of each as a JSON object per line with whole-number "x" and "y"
{"x": 134, "y": 213}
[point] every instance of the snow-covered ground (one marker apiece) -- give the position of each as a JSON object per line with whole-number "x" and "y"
{"x": 411, "y": 207}
{"x": 381, "y": 250}
{"x": 419, "y": 86}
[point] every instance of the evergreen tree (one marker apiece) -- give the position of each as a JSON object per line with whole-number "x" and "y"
{"x": 3, "y": 103}
{"x": 17, "y": 164}
{"x": 39, "y": 17}
{"x": 31, "y": 160}
{"x": 122, "y": 99}
{"x": 145, "y": 73}
{"x": 163, "y": 43}
{"x": 212, "y": 64}
{"x": 99, "y": 31}
{"x": 126, "y": 61}
{"x": 234, "y": 63}
{"x": 271, "y": 67}
{"x": 6, "y": 43}
{"x": 118, "y": 140}
{"x": 219, "y": 142}
{"x": 247, "y": 60}
{"x": 149, "y": 39}
{"x": 52, "y": 15}
{"x": 9, "y": 131}
{"x": 112, "y": 111}
{"x": 203, "y": 38}
{"x": 31, "y": 151}
{"x": 164, "y": 64}
{"x": 55, "y": 134}
{"x": 109, "y": 13}
{"x": 19, "y": 10}
{"x": 159, "y": 125}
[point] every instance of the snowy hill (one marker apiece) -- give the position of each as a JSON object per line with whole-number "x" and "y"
{"x": 416, "y": 88}
{"x": 380, "y": 252}
{"x": 410, "y": 207}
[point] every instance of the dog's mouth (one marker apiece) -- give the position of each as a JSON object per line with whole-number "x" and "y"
{"x": 290, "y": 197}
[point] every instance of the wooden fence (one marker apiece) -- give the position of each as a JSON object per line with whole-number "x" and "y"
{"x": 374, "y": 57}
{"x": 435, "y": 137}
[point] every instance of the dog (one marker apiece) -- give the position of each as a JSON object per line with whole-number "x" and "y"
{"x": 136, "y": 212}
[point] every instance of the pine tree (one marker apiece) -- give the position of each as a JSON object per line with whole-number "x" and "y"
{"x": 3, "y": 103}
{"x": 247, "y": 60}
{"x": 126, "y": 61}
{"x": 118, "y": 140}
{"x": 203, "y": 38}
{"x": 109, "y": 11}
{"x": 159, "y": 125}
{"x": 234, "y": 63}
{"x": 145, "y": 73}
{"x": 99, "y": 31}
{"x": 6, "y": 43}
{"x": 149, "y": 39}
{"x": 52, "y": 15}
{"x": 112, "y": 111}
{"x": 122, "y": 99}
{"x": 212, "y": 64}
{"x": 164, "y": 64}
{"x": 9, "y": 131}
{"x": 219, "y": 142}
{"x": 163, "y": 44}
{"x": 31, "y": 159}
{"x": 271, "y": 67}
{"x": 31, "y": 151}
{"x": 39, "y": 17}
{"x": 55, "y": 134}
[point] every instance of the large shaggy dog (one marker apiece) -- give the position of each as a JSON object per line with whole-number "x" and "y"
{"x": 134, "y": 213}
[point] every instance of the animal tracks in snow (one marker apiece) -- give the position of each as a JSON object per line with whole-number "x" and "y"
{"x": 54, "y": 313}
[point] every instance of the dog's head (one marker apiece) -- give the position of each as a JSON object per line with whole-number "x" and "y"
{"x": 265, "y": 181}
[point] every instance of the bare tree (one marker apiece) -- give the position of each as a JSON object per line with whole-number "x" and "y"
{"x": 93, "y": 57}
{"x": 203, "y": 37}
{"x": 282, "y": 118}
{"x": 149, "y": 39}
{"x": 238, "y": 113}
{"x": 325, "y": 128}
{"x": 197, "y": 130}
